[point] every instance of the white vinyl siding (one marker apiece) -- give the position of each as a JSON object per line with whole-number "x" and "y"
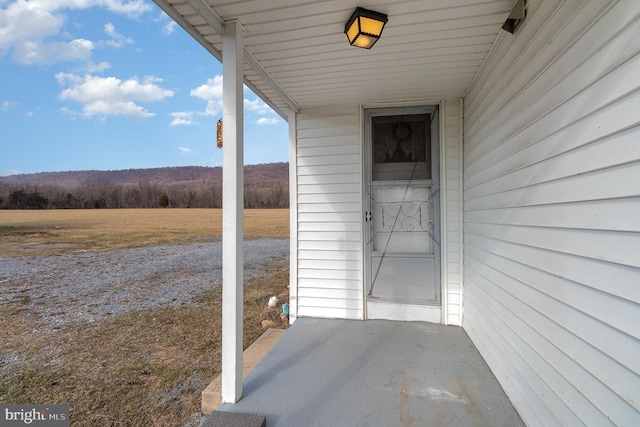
{"x": 452, "y": 210}
{"x": 552, "y": 213}
{"x": 329, "y": 213}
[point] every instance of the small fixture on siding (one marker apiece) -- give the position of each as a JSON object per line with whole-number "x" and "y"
{"x": 219, "y": 133}
{"x": 364, "y": 27}
{"x": 516, "y": 17}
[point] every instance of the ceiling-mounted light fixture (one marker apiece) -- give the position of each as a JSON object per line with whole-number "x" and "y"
{"x": 364, "y": 27}
{"x": 516, "y": 17}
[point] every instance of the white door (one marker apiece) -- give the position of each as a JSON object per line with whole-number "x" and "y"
{"x": 402, "y": 213}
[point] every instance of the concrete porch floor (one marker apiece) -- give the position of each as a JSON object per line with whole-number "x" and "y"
{"x": 326, "y": 372}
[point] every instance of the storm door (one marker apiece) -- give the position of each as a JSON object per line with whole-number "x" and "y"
{"x": 402, "y": 213}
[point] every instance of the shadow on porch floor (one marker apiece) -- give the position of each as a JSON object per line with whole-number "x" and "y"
{"x": 326, "y": 372}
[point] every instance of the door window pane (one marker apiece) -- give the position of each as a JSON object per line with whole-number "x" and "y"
{"x": 401, "y": 147}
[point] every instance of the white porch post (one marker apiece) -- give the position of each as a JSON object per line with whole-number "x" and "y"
{"x": 293, "y": 216}
{"x": 232, "y": 212}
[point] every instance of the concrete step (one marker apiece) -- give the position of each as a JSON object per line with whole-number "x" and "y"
{"x": 234, "y": 419}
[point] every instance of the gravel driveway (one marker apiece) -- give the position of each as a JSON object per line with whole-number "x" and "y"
{"x": 87, "y": 287}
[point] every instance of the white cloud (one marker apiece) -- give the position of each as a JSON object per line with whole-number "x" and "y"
{"x": 91, "y": 67}
{"x": 268, "y": 121}
{"x": 169, "y": 28}
{"x": 211, "y": 92}
{"x": 185, "y": 151}
{"x": 28, "y": 26}
{"x": 257, "y": 106}
{"x": 72, "y": 114}
{"x": 37, "y": 52}
{"x": 110, "y": 96}
{"x": 9, "y": 172}
{"x": 183, "y": 118}
{"x": 117, "y": 40}
{"x": 168, "y": 25}
{"x": 24, "y": 21}
{"x": 6, "y": 104}
{"x": 131, "y": 8}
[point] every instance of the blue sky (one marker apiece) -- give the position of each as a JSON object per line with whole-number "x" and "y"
{"x": 113, "y": 84}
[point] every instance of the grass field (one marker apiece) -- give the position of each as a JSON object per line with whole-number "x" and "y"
{"x": 47, "y": 232}
{"x": 140, "y": 369}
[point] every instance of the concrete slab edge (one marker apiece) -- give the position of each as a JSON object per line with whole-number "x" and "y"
{"x": 211, "y": 396}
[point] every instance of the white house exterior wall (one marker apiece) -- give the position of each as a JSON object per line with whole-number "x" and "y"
{"x": 328, "y": 272}
{"x": 552, "y": 213}
{"x": 452, "y": 212}
{"x": 329, "y": 213}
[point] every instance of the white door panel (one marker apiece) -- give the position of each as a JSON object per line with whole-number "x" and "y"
{"x": 403, "y": 248}
{"x": 401, "y": 218}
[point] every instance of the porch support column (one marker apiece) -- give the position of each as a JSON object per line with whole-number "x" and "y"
{"x": 232, "y": 212}
{"x": 293, "y": 215}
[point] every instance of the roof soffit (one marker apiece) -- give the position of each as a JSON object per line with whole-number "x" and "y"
{"x": 296, "y": 54}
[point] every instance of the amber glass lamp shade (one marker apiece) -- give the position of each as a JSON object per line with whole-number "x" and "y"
{"x": 364, "y": 27}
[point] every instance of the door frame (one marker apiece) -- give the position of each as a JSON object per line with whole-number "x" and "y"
{"x": 395, "y": 310}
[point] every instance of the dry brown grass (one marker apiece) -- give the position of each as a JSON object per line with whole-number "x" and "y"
{"x": 141, "y": 369}
{"x": 50, "y": 232}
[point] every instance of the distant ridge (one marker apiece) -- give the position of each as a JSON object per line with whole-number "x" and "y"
{"x": 254, "y": 175}
{"x": 265, "y": 186}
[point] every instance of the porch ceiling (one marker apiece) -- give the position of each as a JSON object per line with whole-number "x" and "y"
{"x": 296, "y": 49}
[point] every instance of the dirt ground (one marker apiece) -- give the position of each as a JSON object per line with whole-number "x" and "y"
{"x": 76, "y": 327}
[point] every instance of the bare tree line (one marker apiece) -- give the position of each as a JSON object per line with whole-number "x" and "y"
{"x": 99, "y": 194}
